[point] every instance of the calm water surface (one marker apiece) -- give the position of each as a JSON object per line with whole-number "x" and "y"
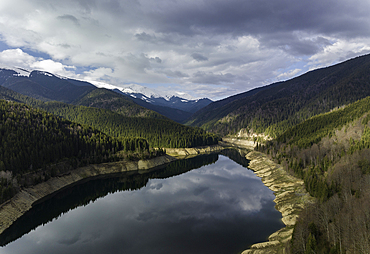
{"x": 221, "y": 207}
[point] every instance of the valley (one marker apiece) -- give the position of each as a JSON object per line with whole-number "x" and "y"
{"x": 308, "y": 139}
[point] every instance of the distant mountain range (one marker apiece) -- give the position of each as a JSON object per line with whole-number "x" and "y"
{"x": 175, "y": 100}
{"x": 130, "y": 100}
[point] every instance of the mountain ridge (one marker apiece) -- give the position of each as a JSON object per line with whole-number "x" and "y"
{"x": 46, "y": 86}
{"x": 170, "y": 99}
{"x": 273, "y": 108}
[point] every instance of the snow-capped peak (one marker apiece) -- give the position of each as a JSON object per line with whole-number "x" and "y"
{"x": 146, "y": 91}
{"x": 19, "y": 71}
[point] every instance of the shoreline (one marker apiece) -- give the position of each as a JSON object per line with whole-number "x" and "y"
{"x": 290, "y": 193}
{"x": 290, "y": 196}
{"x": 23, "y": 201}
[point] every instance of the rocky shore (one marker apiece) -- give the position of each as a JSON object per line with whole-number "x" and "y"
{"x": 291, "y": 198}
{"x": 189, "y": 152}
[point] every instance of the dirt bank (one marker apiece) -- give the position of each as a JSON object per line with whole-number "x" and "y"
{"x": 189, "y": 152}
{"x": 291, "y": 197}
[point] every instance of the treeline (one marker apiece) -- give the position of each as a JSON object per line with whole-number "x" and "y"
{"x": 106, "y": 99}
{"x": 158, "y": 132}
{"x": 36, "y": 145}
{"x": 274, "y": 108}
{"x": 331, "y": 153}
{"x": 314, "y": 129}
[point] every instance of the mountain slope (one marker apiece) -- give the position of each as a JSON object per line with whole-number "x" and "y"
{"x": 274, "y": 108}
{"x": 177, "y": 115}
{"x": 331, "y": 153}
{"x": 43, "y": 85}
{"x": 107, "y": 99}
{"x": 35, "y": 145}
{"x": 46, "y": 86}
{"x": 159, "y": 132}
{"x": 171, "y": 100}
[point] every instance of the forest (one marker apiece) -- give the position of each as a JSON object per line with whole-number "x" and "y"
{"x": 158, "y": 132}
{"x": 156, "y": 129}
{"x": 41, "y": 139}
{"x": 274, "y": 108}
{"x": 37, "y": 145}
{"x": 331, "y": 153}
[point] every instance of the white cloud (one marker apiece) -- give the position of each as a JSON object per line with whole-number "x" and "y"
{"x": 238, "y": 45}
{"x": 98, "y": 74}
{"x": 340, "y": 50}
{"x": 18, "y": 58}
{"x": 289, "y": 74}
{"x": 53, "y": 67}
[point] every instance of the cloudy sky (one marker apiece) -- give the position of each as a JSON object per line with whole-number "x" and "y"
{"x": 206, "y": 48}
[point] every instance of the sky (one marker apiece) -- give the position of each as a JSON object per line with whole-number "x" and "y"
{"x": 205, "y": 48}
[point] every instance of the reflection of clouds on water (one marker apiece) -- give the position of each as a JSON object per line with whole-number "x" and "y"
{"x": 155, "y": 186}
{"x": 223, "y": 201}
{"x": 70, "y": 239}
{"x": 146, "y": 216}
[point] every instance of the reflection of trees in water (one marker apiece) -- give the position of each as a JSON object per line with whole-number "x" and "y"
{"x": 237, "y": 155}
{"x": 83, "y": 193}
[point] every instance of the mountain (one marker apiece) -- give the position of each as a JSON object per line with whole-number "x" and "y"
{"x": 331, "y": 153}
{"x": 107, "y": 99}
{"x": 174, "y": 100}
{"x": 128, "y": 106}
{"x": 158, "y": 131}
{"x": 274, "y": 108}
{"x": 36, "y": 145}
{"x": 43, "y": 85}
{"x": 46, "y": 86}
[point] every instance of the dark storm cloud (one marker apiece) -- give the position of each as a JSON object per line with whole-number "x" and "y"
{"x": 70, "y": 18}
{"x": 146, "y": 37}
{"x": 199, "y": 57}
{"x": 192, "y": 44}
{"x": 273, "y": 22}
{"x": 177, "y": 74}
{"x": 261, "y": 16}
{"x": 156, "y": 59}
{"x": 212, "y": 78}
{"x": 294, "y": 44}
{"x": 71, "y": 239}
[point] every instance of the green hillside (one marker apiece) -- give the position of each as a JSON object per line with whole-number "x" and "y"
{"x": 331, "y": 153}
{"x": 158, "y": 132}
{"x": 106, "y": 99}
{"x": 274, "y": 108}
{"x": 35, "y": 145}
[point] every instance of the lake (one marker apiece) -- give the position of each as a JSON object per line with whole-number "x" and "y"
{"x": 208, "y": 204}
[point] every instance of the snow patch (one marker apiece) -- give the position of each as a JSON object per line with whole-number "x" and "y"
{"x": 21, "y": 72}
{"x": 149, "y": 93}
{"x": 46, "y": 73}
{"x": 99, "y": 84}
